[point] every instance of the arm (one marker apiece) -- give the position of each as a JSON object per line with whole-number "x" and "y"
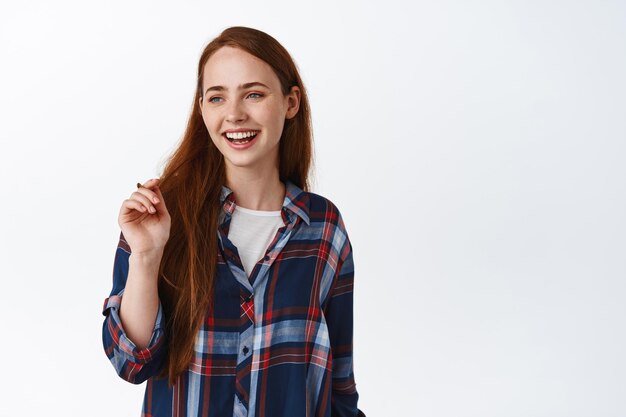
{"x": 134, "y": 362}
{"x": 339, "y": 319}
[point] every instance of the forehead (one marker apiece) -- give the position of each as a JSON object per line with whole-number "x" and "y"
{"x": 230, "y": 67}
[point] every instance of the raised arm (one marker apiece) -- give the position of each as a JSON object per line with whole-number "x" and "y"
{"x": 132, "y": 333}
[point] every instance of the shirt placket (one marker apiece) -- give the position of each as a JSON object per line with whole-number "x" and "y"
{"x": 247, "y": 288}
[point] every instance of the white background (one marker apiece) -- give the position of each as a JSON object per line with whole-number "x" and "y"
{"x": 476, "y": 151}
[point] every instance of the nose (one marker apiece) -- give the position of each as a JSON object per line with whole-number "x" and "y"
{"x": 235, "y": 112}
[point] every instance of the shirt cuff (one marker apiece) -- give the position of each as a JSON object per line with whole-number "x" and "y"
{"x": 123, "y": 344}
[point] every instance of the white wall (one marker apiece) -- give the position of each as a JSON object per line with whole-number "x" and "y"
{"x": 475, "y": 149}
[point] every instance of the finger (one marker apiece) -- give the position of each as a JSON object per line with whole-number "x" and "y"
{"x": 160, "y": 203}
{"x": 139, "y": 196}
{"x": 151, "y": 195}
{"x": 131, "y": 204}
{"x": 157, "y": 191}
{"x": 150, "y": 185}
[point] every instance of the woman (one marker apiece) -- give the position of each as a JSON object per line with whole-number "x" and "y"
{"x": 232, "y": 283}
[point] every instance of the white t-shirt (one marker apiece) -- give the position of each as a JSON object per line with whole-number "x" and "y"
{"x": 251, "y": 231}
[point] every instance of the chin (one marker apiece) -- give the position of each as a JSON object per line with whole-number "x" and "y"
{"x": 241, "y": 162}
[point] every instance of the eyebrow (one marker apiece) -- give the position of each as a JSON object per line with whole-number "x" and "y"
{"x": 241, "y": 86}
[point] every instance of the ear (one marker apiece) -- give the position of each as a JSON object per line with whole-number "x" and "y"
{"x": 200, "y": 103}
{"x": 293, "y": 102}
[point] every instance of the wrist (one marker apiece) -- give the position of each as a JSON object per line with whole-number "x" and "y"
{"x": 147, "y": 258}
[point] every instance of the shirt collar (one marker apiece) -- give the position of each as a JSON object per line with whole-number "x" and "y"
{"x": 296, "y": 201}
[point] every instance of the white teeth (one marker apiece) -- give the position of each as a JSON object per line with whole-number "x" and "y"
{"x": 240, "y": 135}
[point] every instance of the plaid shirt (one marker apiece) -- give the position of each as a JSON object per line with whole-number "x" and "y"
{"x": 276, "y": 344}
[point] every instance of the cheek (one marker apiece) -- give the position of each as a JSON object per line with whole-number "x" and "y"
{"x": 273, "y": 116}
{"x": 210, "y": 126}
{"x": 209, "y": 122}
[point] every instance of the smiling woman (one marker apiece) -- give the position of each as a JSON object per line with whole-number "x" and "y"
{"x": 232, "y": 282}
{"x": 252, "y": 113}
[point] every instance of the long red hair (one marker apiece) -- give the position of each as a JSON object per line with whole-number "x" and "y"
{"x": 191, "y": 184}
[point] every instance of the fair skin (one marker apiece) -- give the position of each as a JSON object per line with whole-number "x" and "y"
{"x": 252, "y": 173}
{"x": 145, "y": 222}
{"x": 228, "y": 104}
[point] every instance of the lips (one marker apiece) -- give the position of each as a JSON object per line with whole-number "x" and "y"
{"x": 242, "y": 143}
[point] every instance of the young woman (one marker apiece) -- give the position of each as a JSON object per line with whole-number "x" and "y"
{"x": 232, "y": 283}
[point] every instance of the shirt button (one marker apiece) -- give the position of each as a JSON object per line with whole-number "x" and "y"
{"x": 245, "y": 350}
{"x": 267, "y": 258}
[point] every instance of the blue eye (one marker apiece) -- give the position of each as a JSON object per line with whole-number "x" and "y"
{"x": 211, "y": 99}
{"x": 255, "y": 94}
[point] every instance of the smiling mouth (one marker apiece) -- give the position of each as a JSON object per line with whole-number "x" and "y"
{"x": 240, "y": 138}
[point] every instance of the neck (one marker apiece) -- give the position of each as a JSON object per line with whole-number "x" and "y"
{"x": 256, "y": 190}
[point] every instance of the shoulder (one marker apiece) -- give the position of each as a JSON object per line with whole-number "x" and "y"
{"x": 320, "y": 212}
{"x": 324, "y": 210}
{"x": 327, "y": 220}
{"x": 320, "y": 205}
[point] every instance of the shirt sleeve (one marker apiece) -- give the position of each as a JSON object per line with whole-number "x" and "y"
{"x": 131, "y": 363}
{"x": 339, "y": 319}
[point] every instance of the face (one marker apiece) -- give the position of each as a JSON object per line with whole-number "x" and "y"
{"x": 242, "y": 97}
